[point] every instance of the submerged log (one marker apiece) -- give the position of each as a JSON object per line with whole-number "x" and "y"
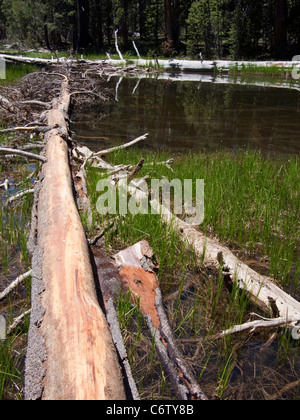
{"x": 79, "y": 360}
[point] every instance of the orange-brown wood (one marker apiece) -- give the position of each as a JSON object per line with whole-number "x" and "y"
{"x": 81, "y": 359}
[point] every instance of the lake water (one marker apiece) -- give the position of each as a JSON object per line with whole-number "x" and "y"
{"x": 194, "y": 115}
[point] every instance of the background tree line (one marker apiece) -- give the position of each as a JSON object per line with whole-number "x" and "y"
{"x": 218, "y": 28}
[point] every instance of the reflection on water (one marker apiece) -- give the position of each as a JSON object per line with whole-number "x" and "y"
{"x": 196, "y": 115}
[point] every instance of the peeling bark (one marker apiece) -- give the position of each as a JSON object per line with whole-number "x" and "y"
{"x": 79, "y": 360}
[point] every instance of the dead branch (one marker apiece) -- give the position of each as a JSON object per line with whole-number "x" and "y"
{"x": 285, "y": 389}
{"x": 4, "y": 184}
{"x": 15, "y": 284}
{"x": 16, "y": 152}
{"x": 17, "y": 321}
{"x": 19, "y": 195}
{"x": 211, "y": 253}
{"x": 261, "y": 323}
{"x": 136, "y": 170}
{"x": 124, "y": 146}
{"x": 46, "y": 105}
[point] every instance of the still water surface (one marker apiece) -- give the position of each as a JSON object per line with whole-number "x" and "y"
{"x": 195, "y": 116}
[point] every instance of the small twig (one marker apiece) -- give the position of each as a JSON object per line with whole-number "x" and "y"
{"x": 96, "y": 238}
{"x": 17, "y": 321}
{"x": 15, "y": 284}
{"x": 285, "y": 389}
{"x": 136, "y": 170}
{"x": 19, "y": 195}
{"x": 16, "y": 152}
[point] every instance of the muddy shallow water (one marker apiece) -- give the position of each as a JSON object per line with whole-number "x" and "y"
{"x": 190, "y": 115}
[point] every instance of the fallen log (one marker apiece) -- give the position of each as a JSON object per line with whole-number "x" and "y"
{"x": 137, "y": 277}
{"x": 210, "y": 253}
{"x": 110, "y": 282}
{"x": 78, "y": 360}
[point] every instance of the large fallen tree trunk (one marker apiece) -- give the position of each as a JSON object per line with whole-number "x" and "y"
{"x": 78, "y": 360}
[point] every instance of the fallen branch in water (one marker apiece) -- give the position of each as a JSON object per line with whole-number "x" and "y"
{"x": 16, "y": 152}
{"x": 19, "y": 195}
{"x": 15, "y": 284}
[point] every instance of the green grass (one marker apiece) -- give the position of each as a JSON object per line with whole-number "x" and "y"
{"x": 260, "y": 70}
{"x": 14, "y": 260}
{"x": 14, "y": 72}
{"x": 252, "y": 205}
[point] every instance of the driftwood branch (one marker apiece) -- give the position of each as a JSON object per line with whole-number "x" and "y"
{"x": 261, "y": 323}
{"x": 16, "y": 152}
{"x": 19, "y": 195}
{"x": 17, "y": 321}
{"x": 46, "y": 105}
{"x": 123, "y": 146}
{"x": 15, "y": 284}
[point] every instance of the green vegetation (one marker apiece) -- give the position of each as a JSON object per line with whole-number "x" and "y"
{"x": 220, "y": 29}
{"x": 14, "y": 259}
{"x": 251, "y": 203}
{"x": 254, "y": 69}
{"x": 15, "y": 71}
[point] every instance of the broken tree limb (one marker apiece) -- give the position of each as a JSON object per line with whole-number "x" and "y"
{"x": 17, "y": 321}
{"x": 137, "y": 277}
{"x": 15, "y": 284}
{"x": 123, "y": 146}
{"x": 79, "y": 361}
{"x": 117, "y": 47}
{"x": 19, "y": 195}
{"x": 46, "y": 105}
{"x": 261, "y": 323}
{"x": 16, "y": 152}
